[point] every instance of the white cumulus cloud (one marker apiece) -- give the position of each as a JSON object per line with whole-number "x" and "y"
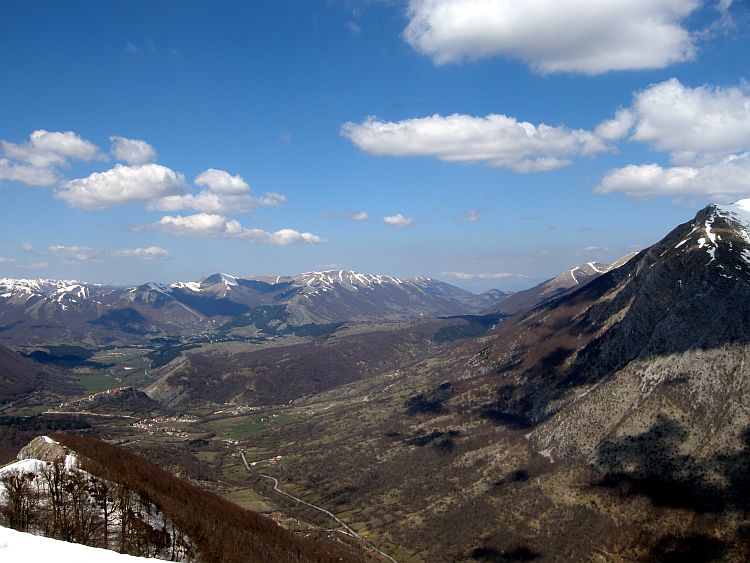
{"x": 132, "y": 151}
{"x": 197, "y": 225}
{"x": 35, "y": 162}
{"x": 120, "y": 185}
{"x": 723, "y": 180}
{"x": 616, "y": 128}
{"x": 51, "y": 148}
{"x": 29, "y": 175}
{"x": 281, "y": 237}
{"x": 222, "y": 194}
{"x": 695, "y": 125}
{"x": 497, "y": 140}
{"x": 586, "y": 36}
{"x": 222, "y": 182}
{"x": 397, "y": 220}
{"x": 212, "y": 225}
{"x": 705, "y": 130}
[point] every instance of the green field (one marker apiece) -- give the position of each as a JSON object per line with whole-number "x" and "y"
{"x": 95, "y": 382}
{"x": 238, "y": 428}
{"x": 243, "y": 427}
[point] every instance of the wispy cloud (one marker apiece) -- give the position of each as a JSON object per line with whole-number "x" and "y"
{"x": 466, "y": 276}
{"x": 80, "y": 254}
{"x": 353, "y": 215}
{"x": 471, "y": 216}
{"x": 75, "y": 253}
{"x": 148, "y": 253}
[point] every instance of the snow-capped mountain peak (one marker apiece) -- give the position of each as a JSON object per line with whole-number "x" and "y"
{"x": 739, "y": 214}
{"x": 329, "y": 279}
{"x": 40, "y": 286}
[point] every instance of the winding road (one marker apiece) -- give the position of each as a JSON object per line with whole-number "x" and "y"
{"x": 343, "y": 524}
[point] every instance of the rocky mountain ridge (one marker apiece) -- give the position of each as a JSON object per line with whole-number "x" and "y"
{"x": 667, "y": 334}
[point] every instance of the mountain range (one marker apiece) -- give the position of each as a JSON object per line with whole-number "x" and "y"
{"x": 37, "y": 310}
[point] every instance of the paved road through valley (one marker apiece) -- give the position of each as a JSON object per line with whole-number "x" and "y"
{"x": 320, "y": 509}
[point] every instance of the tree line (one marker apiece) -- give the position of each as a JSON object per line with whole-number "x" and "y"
{"x": 62, "y": 502}
{"x": 117, "y": 499}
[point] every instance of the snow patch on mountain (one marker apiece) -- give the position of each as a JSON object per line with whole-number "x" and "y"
{"x": 192, "y": 286}
{"x": 20, "y": 546}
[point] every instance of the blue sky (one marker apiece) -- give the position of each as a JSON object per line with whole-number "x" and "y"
{"x": 165, "y": 141}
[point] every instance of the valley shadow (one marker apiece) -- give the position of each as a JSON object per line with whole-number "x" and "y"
{"x": 430, "y": 402}
{"x": 651, "y": 465}
{"x": 693, "y": 548}
{"x": 554, "y": 360}
{"x": 443, "y": 442}
{"x": 507, "y": 410}
{"x": 493, "y": 555}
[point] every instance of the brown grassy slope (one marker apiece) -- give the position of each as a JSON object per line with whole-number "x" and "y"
{"x": 221, "y": 530}
{"x": 279, "y": 374}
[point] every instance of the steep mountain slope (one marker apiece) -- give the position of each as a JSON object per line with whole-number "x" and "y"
{"x": 553, "y": 288}
{"x": 21, "y": 376}
{"x": 664, "y": 335}
{"x": 17, "y": 375}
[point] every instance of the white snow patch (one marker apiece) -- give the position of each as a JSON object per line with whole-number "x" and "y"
{"x": 593, "y": 266}
{"x": 192, "y": 286}
{"x": 229, "y": 280}
{"x": 20, "y": 546}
